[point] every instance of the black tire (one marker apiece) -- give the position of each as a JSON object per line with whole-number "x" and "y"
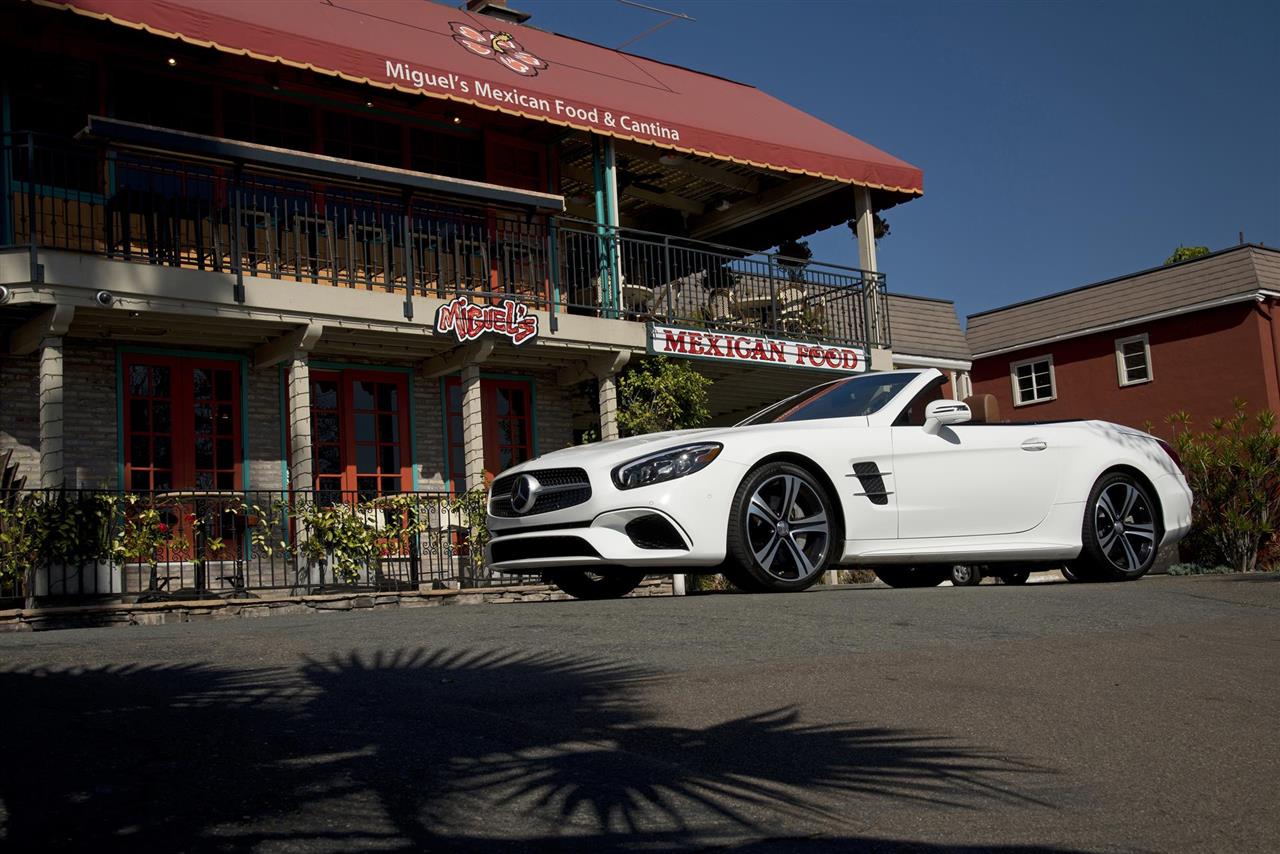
{"x": 913, "y": 576}
{"x": 1120, "y": 536}
{"x": 965, "y": 575}
{"x": 1018, "y": 577}
{"x": 583, "y": 584}
{"x": 1078, "y": 574}
{"x": 783, "y": 530}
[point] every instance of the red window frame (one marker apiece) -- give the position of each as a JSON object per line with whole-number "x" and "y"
{"x": 373, "y": 451}
{"x": 204, "y": 436}
{"x": 508, "y": 437}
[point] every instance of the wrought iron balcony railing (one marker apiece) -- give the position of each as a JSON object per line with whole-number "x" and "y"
{"x": 170, "y": 210}
{"x": 77, "y": 544}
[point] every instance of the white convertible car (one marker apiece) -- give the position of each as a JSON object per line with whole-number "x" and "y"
{"x": 874, "y": 470}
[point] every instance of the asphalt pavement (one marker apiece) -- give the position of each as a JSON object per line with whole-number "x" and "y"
{"x": 1050, "y": 717}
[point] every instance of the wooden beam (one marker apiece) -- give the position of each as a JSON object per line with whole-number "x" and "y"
{"x": 666, "y": 200}
{"x": 707, "y": 172}
{"x": 51, "y": 323}
{"x": 599, "y": 366}
{"x": 768, "y": 203}
{"x": 456, "y": 359}
{"x": 282, "y": 347}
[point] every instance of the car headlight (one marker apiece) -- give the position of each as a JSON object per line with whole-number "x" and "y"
{"x": 666, "y": 465}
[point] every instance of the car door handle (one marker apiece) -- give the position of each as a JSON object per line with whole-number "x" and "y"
{"x": 1034, "y": 445}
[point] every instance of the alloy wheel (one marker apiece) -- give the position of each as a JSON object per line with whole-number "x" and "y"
{"x": 788, "y": 531}
{"x": 1124, "y": 526}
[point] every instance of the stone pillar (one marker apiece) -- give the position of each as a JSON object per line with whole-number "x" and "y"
{"x": 472, "y": 427}
{"x": 298, "y": 394}
{"x": 51, "y": 465}
{"x": 608, "y": 407}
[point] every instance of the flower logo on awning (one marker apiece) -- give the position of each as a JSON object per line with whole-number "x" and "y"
{"x": 501, "y": 47}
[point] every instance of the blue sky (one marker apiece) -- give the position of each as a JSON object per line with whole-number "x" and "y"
{"x": 1061, "y": 143}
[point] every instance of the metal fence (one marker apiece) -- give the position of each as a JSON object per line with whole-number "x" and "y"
{"x": 236, "y": 219}
{"x": 83, "y": 544}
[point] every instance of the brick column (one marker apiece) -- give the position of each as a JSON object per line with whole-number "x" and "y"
{"x": 608, "y": 407}
{"x": 298, "y": 393}
{"x": 51, "y": 467}
{"x": 472, "y": 427}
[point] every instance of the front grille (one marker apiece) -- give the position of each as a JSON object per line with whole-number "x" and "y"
{"x": 572, "y": 487}
{"x": 651, "y": 531}
{"x": 527, "y": 548}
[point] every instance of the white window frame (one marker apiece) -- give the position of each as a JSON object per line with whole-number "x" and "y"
{"x": 1121, "y": 373}
{"x": 1013, "y": 380}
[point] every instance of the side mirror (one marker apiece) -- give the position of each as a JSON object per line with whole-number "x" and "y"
{"x": 942, "y": 412}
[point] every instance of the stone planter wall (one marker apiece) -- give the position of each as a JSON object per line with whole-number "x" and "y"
{"x": 160, "y": 613}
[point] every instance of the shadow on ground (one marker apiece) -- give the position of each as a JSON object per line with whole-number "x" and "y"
{"x": 447, "y": 751}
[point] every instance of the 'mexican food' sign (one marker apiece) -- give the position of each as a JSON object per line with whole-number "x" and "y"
{"x": 734, "y": 347}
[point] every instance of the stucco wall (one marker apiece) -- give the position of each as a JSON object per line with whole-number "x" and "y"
{"x": 1199, "y": 363}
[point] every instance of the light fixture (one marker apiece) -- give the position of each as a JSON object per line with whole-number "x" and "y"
{"x": 456, "y": 119}
{"x": 724, "y": 205}
{"x": 368, "y": 104}
{"x": 172, "y": 61}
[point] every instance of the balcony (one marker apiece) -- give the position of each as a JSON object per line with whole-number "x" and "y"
{"x": 256, "y": 220}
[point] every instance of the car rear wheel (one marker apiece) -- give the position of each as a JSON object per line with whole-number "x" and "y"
{"x": 1121, "y": 531}
{"x": 913, "y": 576}
{"x": 782, "y": 530}
{"x": 581, "y": 584}
{"x": 966, "y": 576}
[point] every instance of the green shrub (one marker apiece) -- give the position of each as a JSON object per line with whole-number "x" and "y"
{"x": 661, "y": 394}
{"x": 1234, "y": 471}
{"x": 1197, "y": 569}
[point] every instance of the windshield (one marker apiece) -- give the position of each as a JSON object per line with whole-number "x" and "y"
{"x": 854, "y": 397}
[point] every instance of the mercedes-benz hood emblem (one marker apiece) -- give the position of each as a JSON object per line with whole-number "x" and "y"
{"x": 524, "y": 493}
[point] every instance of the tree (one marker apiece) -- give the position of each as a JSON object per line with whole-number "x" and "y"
{"x": 1186, "y": 253}
{"x": 661, "y": 394}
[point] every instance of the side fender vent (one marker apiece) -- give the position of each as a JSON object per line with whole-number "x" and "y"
{"x": 872, "y": 482}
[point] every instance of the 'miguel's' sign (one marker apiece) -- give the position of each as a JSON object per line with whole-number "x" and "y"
{"x": 467, "y": 321}
{"x": 733, "y": 347}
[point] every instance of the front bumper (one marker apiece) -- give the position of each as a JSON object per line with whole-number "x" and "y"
{"x": 595, "y": 532}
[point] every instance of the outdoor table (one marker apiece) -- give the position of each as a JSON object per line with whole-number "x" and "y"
{"x": 636, "y": 298}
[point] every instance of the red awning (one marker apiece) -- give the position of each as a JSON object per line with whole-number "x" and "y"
{"x": 444, "y": 52}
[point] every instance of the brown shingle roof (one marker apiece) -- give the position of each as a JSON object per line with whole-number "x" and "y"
{"x": 922, "y": 326}
{"x": 1238, "y": 271}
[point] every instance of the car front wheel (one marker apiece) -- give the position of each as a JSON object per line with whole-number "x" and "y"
{"x": 1121, "y": 532}
{"x": 581, "y": 584}
{"x": 782, "y": 530}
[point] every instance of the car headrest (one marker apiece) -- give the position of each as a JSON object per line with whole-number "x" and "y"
{"x": 984, "y": 408}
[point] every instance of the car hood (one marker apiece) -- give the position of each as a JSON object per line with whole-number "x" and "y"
{"x": 619, "y": 451}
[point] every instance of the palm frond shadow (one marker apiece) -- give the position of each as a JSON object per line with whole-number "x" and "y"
{"x": 416, "y": 748}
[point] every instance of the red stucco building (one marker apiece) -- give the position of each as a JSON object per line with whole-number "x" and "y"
{"x": 1192, "y": 336}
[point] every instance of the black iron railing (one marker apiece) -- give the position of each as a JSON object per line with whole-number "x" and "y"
{"x": 233, "y": 218}
{"x": 75, "y": 544}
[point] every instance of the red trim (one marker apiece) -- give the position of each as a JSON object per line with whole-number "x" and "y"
{"x": 207, "y": 425}
{"x": 371, "y": 422}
